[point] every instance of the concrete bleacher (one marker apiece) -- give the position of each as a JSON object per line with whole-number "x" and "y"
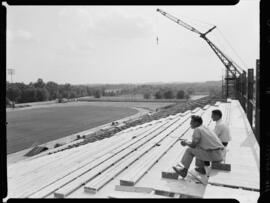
{"x": 133, "y": 160}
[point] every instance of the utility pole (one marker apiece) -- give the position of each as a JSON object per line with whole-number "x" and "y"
{"x": 11, "y": 72}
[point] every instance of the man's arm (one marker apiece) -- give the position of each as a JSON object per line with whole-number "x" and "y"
{"x": 195, "y": 139}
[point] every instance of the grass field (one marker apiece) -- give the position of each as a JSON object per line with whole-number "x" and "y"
{"x": 47, "y": 123}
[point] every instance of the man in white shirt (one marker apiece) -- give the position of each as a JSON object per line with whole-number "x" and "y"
{"x": 205, "y": 146}
{"x": 221, "y": 129}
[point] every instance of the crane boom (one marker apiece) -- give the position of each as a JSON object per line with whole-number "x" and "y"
{"x": 231, "y": 66}
{"x": 180, "y": 22}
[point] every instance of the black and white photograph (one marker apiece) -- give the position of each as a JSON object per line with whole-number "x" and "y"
{"x": 142, "y": 101}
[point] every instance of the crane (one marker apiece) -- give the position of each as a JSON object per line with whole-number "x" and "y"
{"x": 233, "y": 71}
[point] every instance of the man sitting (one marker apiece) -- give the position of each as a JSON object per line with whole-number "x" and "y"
{"x": 221, "y": 129}
{"x": 205, "y": 146}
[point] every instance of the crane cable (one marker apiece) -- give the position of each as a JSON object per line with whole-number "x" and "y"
{"x": 232, "y": 49}
{"x": 157, "y": 31}
{"x": 192, "y": 19}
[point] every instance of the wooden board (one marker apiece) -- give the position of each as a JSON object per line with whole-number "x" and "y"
{"x": 134, "y": 195}
{"x": 64, "y": 191}
{"x": 48, "y": 180}
{"x": 112, "y": 147}
{"x": 141, "y": 167}
{"x": 243, "y": 154}
{"x": 243, "y": 196}
{"x": 96, "y": 184}
{"x": 122, "y": 150}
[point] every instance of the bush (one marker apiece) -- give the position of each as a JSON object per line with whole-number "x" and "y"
{"x": 146, "y": 95}
{"x": 28, "y": 95}
{"x": 8, "y": 102}
{"x": 13, "y": 93}
{"x": 42, "y": 94}
{"x": 97, "y": 94}
{"x": 168, "y": 94}
{"x": 180, "y": 94}
{"x": 158, "y": 95}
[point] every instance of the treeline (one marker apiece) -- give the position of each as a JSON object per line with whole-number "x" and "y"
{"x": 41, "y": 91}
{"x": 45, "y": 91}
{"x": 170, "y": 94}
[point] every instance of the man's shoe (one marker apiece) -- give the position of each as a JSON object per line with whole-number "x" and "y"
{"x": 181, "y": 171}
{"x": 200, "y": 170}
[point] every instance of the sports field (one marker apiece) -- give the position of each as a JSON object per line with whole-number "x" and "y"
{"x": 46, "y": 123}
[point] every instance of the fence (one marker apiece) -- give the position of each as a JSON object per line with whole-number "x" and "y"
{"x": 246, "y": 86}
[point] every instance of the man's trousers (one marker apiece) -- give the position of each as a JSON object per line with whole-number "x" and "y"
{"x": 201, "y": 155}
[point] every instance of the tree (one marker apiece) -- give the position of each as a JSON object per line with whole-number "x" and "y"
{"x": 89, "y": 91}
{"x": 158, "y": 95}
{"x": 73, "y": 94}
{"x": 13, "y": 93}
{"x": 42, "y": 94}
{"x": 180, "y": 94}
{"x": 8, "y": 102}
{"x": 28, "y": 95}
{"x": 52, "y": 88}
{"x": 190, "y": 91}
{"x": 97, "y": 94}
{"x": 168, "y": 94}
{"x": 146, "y": 95}
{"x": 39, "y": 83}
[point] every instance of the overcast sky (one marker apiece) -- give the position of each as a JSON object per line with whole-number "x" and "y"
{"x": 117, "y": 44}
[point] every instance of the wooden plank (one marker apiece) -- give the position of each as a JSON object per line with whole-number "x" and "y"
{"x": 54, "y": 159}
{"x": 117, "y": 141}
{"x": 96, "y": 184}
{"x": 122, "y": 151}
{"x": 243, "y": 196}
{"x": 153, "y": 178}
{"x": 61, "y": 168}
{"x": 195, "y": 110}
{"x": 169, "y": 172}
{"x": 140, "y": 169}
{"x": 182, "y": 187}
{"x": 52, "y": 179}
{"x": 243, "y": 154}
{"x": 105, "y": 177}
{"x": 64, "y": 191}
{"x": 235, "y": 178}
{"x": 133, "y": 195}
{"x": 217, "y": 103}
{"x": 145, "y": 164}
{"x": 133, "y": 189}
{"x": 206, "y": 107}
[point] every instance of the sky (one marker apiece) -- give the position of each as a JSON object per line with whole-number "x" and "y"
{"x": 118, "y": 44}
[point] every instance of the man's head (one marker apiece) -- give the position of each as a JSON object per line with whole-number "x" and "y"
{"x": 216, "y": 115}
{"x": 195, "y": 122}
